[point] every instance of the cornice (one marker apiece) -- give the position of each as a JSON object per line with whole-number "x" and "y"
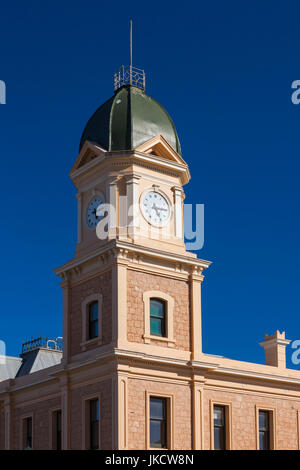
{"x": 132, "y": 156}
{"x": 257, "y": 375}
{"x": 119, "y": 251}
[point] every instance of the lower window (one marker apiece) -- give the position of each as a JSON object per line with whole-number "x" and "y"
{"x": 27, "y": 433}
{"x": 158, "y": 422}
{"x": 264, "y": 430}
{"x": 94, "y": 423}
{"x": 219, "y": 427}
{"x": 57, "y": 430}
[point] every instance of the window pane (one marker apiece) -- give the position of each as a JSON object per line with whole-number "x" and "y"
{"x": 264, "y": 430}
{"x": 94, "y": 407}
{"x": 157, "y": 408}
{"x": 219, "y": 441}
{"x": 95, "y": 436}
{"x": 218, "y": 416}
{"x": 156, "y": 327}
{"x": 155, "y": 434}
{"x": 263, "y": 420}
{"x": 93, "y": 320}
{"x": 219, "y": 428}
{"x": 94, "y": 423}
{"x": 93, "y": 311}
{"x": 93, "y": 330}
{"x": 157, "y": 308}
{"x": 58, "y": 430}
{"x": 158, "y": 422}
{"x": 28, "y": 431}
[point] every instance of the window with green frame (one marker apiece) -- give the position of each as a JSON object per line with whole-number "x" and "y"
{"x": 157, "y": 317}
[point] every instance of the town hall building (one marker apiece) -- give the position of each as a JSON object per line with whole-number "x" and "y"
{"x": 130, "y": 372}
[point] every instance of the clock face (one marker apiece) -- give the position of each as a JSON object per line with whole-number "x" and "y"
{"x": 91, "y": 216}
{"x": 155, "y": 208}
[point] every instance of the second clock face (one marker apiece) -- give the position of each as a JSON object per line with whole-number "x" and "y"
{"x": 92, "y": 218}
{"x": 155, "y": 208}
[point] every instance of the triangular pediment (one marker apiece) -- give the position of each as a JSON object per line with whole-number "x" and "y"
{"x": 89, "y": 152}
{"x": 159, "y": 146}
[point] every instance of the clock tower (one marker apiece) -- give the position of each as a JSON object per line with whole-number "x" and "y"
{"x": 131, "y": 294}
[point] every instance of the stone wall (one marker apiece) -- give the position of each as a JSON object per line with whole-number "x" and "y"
{"x": 101, "y": 284}
{"x": 137, "y": 412}
{"x": 41, "y": 414}
{"x": 78, "y": 396}
{"x": 137, "y": 284}
{"x": 244, "y": 407}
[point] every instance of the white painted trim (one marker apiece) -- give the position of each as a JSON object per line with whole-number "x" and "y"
{"x": 169, "y": 301}
{"x": 84, "y": 313}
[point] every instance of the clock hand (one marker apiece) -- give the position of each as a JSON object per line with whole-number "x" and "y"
{"x": 155, "y": 208}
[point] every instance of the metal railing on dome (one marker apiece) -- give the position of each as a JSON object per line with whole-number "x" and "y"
{"x": 128, "y": 75}
{"x": 46, "y": 343}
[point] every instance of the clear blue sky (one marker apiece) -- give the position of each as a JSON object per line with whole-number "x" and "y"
{"x": 223, "y": 70}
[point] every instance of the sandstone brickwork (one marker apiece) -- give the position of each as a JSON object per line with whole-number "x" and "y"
{"x": 78, "y": 395}
{"x": 101, "y": 284}
{"x": 137, "y": 412}
{"x": 41, "y": 415}
{"x": 137, "y": 284}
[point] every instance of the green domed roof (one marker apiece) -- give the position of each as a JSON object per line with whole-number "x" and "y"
{"x": 127, "y": 120}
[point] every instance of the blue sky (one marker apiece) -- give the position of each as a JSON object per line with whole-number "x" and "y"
{"x": 223, "y": 70}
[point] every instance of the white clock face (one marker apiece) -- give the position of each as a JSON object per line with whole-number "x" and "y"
{"x": 155, "y": 208}
{"x": 91, "y": 216}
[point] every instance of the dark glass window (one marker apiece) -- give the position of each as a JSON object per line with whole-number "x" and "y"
{"x": 28, "y": 433}
{"x": 264, "y": 430}
{"x": 94, "y": 424}
{"x": 58, "y": 429}
{"x": 219, "y": 428}
{"x": 158, "y": 422}
{"x": 93, "y": 320}
{"x": 157, "y": 317}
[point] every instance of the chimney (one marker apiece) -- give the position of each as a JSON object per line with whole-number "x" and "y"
{"x": 274, "y": 347}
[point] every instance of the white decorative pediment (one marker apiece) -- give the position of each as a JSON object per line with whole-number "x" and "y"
{"x": 159, "y": 146}
{"x": 89, "y": 152}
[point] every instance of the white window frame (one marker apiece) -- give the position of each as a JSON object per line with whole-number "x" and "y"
{"x": 85, "y": 319}
{"x": 169, "y": 302}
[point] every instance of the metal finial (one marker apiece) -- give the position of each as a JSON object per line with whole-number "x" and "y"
{"x": 129, "y": 75}
{"x": 131, "y": 44}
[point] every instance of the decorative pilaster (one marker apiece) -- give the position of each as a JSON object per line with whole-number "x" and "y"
{"x": 195, "y": 296}
{"x": 79, "y": 217}
{"x": 66, "y": 320}
{"x": 119, "y": 304}
{"x": 8, "y": 422}
{"x": 197, "y": 390}
{"x": 112, "y": 199}
{"x": 132, "y": 191}
{"x": 178, "y": 214}
{"x": 65, "y": 403}
{"x": 122, "y": 413}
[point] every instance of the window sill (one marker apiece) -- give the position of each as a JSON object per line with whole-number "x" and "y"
{"x": 149, "y": 338}
{"x": 161, "y": 449}
{"x": 90, "y": 342}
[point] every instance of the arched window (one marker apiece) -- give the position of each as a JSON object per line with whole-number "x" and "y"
{"x": 93, "y": 320}
{"x": 157, "y": 317}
